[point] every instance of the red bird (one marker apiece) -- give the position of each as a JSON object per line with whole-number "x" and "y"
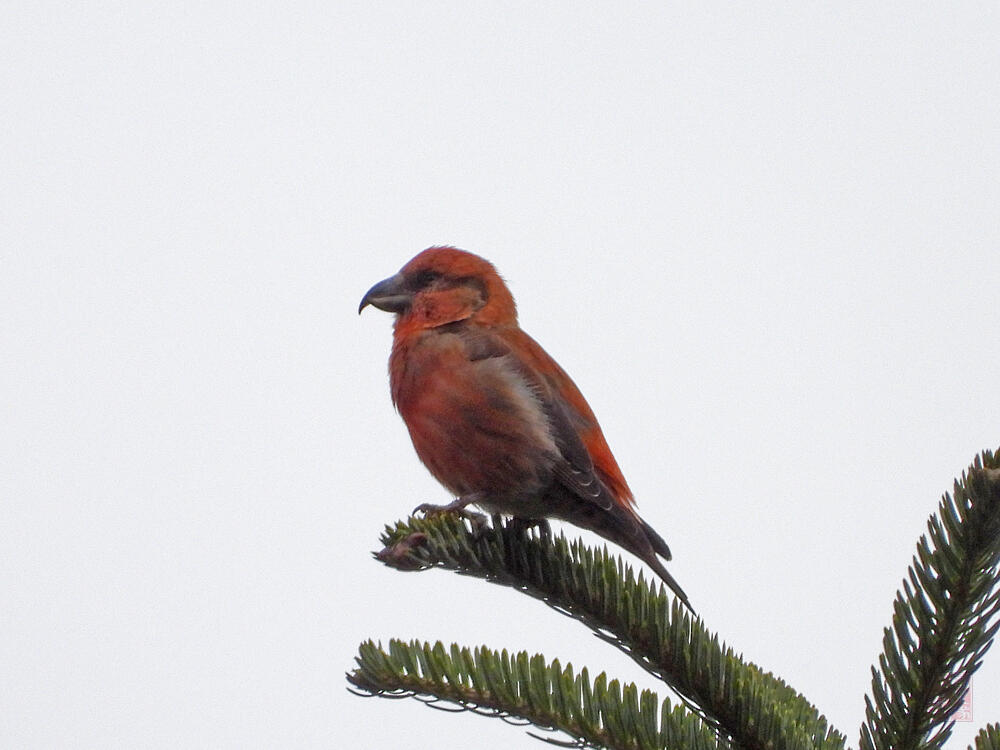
{"x": 491, "y": 414}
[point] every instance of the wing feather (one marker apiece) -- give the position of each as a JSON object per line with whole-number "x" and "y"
{"x": 575, "y": 470}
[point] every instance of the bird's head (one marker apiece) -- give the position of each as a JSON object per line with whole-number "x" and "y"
{"x": 444, "y": 285}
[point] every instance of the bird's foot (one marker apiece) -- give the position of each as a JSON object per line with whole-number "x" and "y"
{"x": 457, "y": 507}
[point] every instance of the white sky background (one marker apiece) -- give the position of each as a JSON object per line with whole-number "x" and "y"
{"x": 763, "y": 241}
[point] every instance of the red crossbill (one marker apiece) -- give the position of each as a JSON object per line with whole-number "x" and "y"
{"x": 493, "y": 417}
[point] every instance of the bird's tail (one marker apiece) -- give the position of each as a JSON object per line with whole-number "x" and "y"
{"x": 654, "y": 562}
{"x": 625, "y": 528}
{"x": 639, "y": 538}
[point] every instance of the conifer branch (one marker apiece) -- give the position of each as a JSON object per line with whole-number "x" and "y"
{"x": 988, "y": 738}
{"x": 601, "y": 714}
{"x": 748, "y": 708}
{"x": 944, "y": 619}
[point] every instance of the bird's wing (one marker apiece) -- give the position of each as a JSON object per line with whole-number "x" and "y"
{"x": 587, "y": 468}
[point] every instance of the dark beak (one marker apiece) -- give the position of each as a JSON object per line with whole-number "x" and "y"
{"x": 389, "y": 294}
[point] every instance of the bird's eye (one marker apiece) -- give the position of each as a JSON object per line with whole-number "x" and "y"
{"x": 425, "y": 278}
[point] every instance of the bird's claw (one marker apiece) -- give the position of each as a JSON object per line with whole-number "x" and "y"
{"x": 430, "y": 509}
{"x": 458, "y": 508}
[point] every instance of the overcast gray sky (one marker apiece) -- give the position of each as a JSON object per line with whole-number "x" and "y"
{"x": 762, "y": 239}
